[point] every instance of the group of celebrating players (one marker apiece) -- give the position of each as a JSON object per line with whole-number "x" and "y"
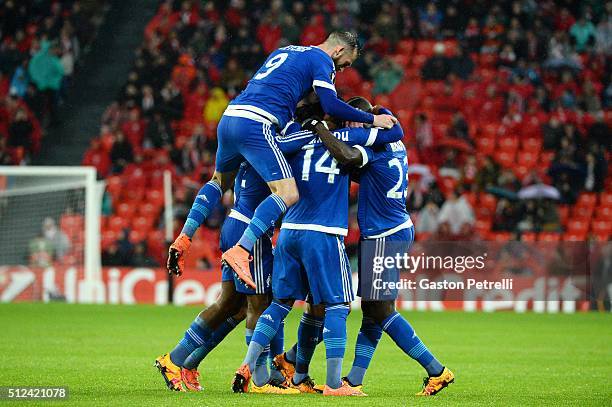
{"x": 290, "y": 147}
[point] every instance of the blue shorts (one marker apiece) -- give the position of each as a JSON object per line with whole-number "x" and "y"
{"x": 387, "y": 246}
{"x": 312, "y": 262}
{"x": 263, "y": 259}
{"x": 242, "y": 139}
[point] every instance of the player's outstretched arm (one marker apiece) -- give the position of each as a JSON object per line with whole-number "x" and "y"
{"x": 342, "y": 110}
{"x": 343, "y": 153}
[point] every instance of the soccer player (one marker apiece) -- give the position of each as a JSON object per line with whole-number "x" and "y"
{"x": 179, "y": 367}
{"x": 246, "y": 132}
{"x": 310, "y": 258}
{"x": 382, "y": 218}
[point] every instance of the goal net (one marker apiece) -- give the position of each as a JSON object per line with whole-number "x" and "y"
{"x": 49, "y": 221}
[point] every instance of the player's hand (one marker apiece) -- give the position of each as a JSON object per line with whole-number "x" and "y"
{"x": 311, "y": 123}
{"x": 386, "y": 121}
{"x": 176, "y": 254}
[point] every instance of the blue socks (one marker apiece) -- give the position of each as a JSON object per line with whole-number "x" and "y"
{"x": 309, "y": 332}
{"x": 265, "y": 330}
{"x": 334, "y": 336}
{"x": 194, "y": 359}
{"x": 277, "y": 346}
{"x": 404, "y": 336}
{"x": 207, "y": 198}
{"x": 198, "y": 334}
{"x": 264, "y": 217}
{"x": 367, "y": 339}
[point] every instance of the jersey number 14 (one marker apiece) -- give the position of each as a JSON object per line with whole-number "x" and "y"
{"x": 332, "y": 169}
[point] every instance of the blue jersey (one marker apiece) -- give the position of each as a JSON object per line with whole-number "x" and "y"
{"x": 322, "y": 183}
{"x": 382, "y": 192}
{"x": 286, "y": 77}
{"x": 249, "y": 190}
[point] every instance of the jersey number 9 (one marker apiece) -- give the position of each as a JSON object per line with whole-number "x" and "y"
{"x": 272, "y": 64}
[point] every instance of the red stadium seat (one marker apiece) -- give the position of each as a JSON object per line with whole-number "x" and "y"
{"x": 582, "y": 212}
{"x": 125, "y": 210}
{"x": 485, "y": 145}
{"x": 549, "y": 237}
{"x": 155, "y": 196}
{"x": 117, "y": 223}
{"x": 532, "y": 145}
{"x": 605, "y": 198}
{"x": 142, "y": 224}
{"x": 509, "y": 144}
{"x": 108, "y": 237}
{"x": 575, "y": 237}
{"x": 137, "y": 236}
{"x": 527, "y": 158}
{"x": 425, "y": 47}
{"x": 577, "y": 226}
{"x": 505, "y": 158}
{"x": 587, "y": 200}
{"x": 405, "y": 46}
{"x": 114, "y": 186}
{"x": 500, "y": 236}
{"x": 563, "y": 213}
{"x": 529, "y": 237}
{"x": 601, "y": 226}
{"x": 149, "y": 210}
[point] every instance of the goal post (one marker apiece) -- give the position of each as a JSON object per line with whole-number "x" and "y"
{"x": 51, "y": 216}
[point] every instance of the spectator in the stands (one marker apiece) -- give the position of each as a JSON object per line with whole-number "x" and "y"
{"x": 387, "y": 74}
{"x": 215, "y": 106}
{"x": 457, "y": 212}
{"x": 424, "y": 132}
{"x": 599, "y": 132}
{"x": 98, "y": 157}
{"x": 461, "y": 64}
{"x": 47, "y": 72}
{"x": 437, "y": 67}
{"x": 122, "y": 152}
{"x": 582, "y": 34}
{"x": 159, "y": 133}
{"x": 487, "y": 176}
{"x": 430, "y": 19}
{"x": 427, "y": 219}
{"x": 20, "y": 131}
{"x": 140, "y": 258}
{"x": 56, "y": 238}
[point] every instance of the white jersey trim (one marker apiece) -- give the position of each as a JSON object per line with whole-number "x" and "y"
{"x": 372, "y": 136}
{"x": 364, "y": 155}
{"x": 316, "y": 228}
{"x": 399, "y": 227}
{"x": 252, "y": 109}
{"x": 323, "y": 84}
{"x": 237, "y": 215}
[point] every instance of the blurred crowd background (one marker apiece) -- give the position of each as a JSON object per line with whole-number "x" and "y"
{"x": 506, "y": 105}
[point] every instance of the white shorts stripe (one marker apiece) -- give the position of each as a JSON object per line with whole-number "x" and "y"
{"x": 280, "y": 158}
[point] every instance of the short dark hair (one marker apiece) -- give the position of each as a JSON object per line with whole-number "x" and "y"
{"x": 361, "y": 103}
{"x": 348, "y": 38}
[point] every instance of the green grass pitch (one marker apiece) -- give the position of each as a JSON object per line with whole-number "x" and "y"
{"x": 105, "y": 355}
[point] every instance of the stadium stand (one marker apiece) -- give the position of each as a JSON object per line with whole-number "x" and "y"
{"x": 494, "y": 104}
{"x": 40, "y": 46}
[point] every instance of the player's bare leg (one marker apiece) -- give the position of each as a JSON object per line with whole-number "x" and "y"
{"x": 284, "y": 194}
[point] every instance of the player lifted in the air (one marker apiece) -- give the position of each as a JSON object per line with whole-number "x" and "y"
{"x": 247, "y": 129}
{"x": 385, "y": 223}
{"x": 179, "y": 367}
{"x": 310, "y": 258}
